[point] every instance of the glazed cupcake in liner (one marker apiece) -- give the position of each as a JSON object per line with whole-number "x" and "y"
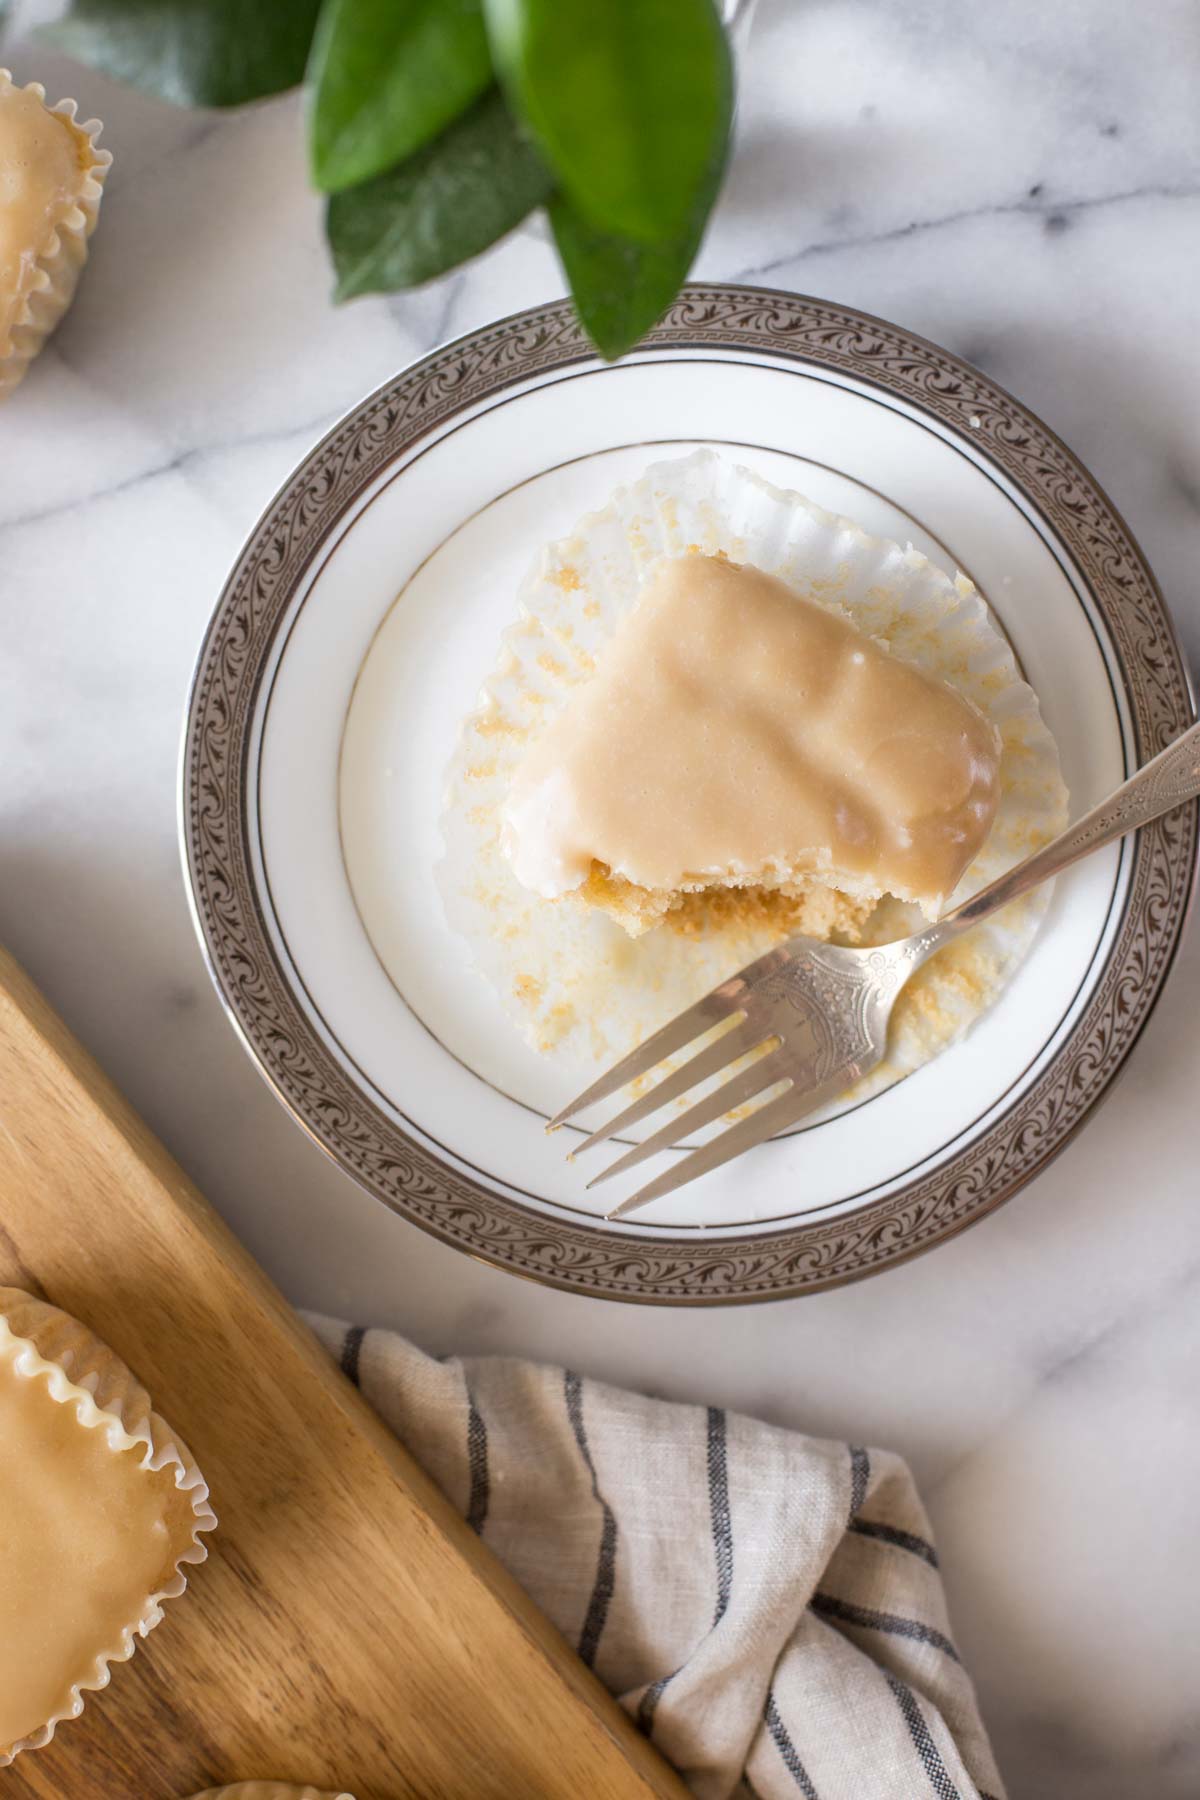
{"x": 47, "y": 279}
{"x": 573, "y": 982}
{"x": 38, "y": 1343}
{"x": 269, "y": 1790}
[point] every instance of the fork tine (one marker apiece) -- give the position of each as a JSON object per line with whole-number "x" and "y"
{"x": 729, "y": 997}
{"x": 693, "y": 1023}
{"x": 753, "y": 1081}
{"x": 726, "y": 1050}
{"x": 785, "y": 1109}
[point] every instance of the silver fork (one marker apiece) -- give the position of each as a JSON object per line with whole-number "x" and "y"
{"x": 817, "y": 1015}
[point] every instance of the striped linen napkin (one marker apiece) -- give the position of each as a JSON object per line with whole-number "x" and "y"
{"x": 766, "y": 1605}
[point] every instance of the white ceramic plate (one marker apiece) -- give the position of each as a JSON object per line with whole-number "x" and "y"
{"x": 349, "y": 645}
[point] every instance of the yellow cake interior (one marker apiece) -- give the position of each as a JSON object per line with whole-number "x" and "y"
{"x": 811, "y": 908}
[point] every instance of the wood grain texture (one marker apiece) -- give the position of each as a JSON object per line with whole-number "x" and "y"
{"x": 348, "y": 1629}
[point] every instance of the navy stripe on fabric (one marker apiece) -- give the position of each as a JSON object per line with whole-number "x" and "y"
{"x": 352, "y": 1350}
{"x": 927, "y": 1750}
{"x": 722, "y": 1536}
{"x": 903, "y": 1540}
{"x": 860, "y": 1474}
{"x": 786, "y": 1748}
{"x": 718, "y": 1501}
{"x": 606, "y": 1563}
{"x": 477, "y": 1468}
{"x": 830, "y": 1607}
{"x": 648, "y": 1704}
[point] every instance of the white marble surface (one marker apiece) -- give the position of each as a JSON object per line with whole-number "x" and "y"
{"x": 1020, "y": 181}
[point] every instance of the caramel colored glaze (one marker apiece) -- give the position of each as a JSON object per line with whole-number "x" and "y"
{"x": 733, "y": 732}
{"x": 41, "y": 173}
{"x": 86, "y": 1537}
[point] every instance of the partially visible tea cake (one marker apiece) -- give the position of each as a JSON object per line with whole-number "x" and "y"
{"x": 269, "y": 1790}
{"x": 51, "y": 178}
{"x": 90, "y": 1537}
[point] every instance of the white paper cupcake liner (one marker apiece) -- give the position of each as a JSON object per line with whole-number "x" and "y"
{"x": 572, "y": 981}
{"x": 82, "y": 1371}
{"x": 57, "y": 270}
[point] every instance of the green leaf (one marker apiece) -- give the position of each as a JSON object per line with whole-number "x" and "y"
{"x": 620, "y": 287}
{"x": 195, "y": 52}
{"x": 387, "y": 76}
{"x": 444, "y": 205}
{"x": 631, "y": 101}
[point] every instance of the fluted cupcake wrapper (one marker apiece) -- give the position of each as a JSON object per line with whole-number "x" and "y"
{"x": 573, "y": 983}
{"x": 82, "y": 1371}
{"x": 56, "y": 271}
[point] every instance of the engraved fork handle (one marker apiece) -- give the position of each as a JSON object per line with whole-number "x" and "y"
{"x": 1170, "y": 779}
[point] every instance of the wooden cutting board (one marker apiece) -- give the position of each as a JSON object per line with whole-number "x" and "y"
{"x": 348, "y": 1629}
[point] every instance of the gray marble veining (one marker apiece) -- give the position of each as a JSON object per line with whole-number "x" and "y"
{"x": 1020, "y": 182}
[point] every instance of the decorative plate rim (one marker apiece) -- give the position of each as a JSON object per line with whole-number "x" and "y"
{"x": 655, "y": 1267}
